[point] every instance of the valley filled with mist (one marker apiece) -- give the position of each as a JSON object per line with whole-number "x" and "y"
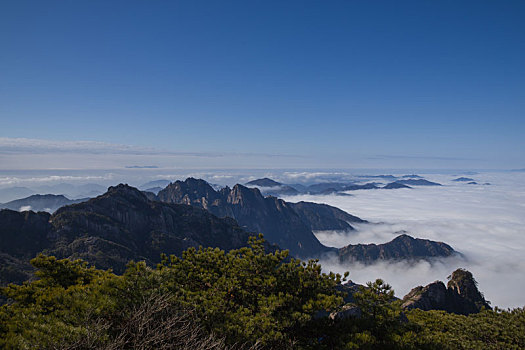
{"x": 481, "y": 219}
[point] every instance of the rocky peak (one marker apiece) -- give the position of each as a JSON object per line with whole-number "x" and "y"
{"x": 126, "y": 192}
{"x": 240, "y": 194}
{"x": 276, "y": 219}
{"x": 461, "y": 296}
{"x": 463, "y": 283}
{"x": 401, "y": 247}
{"x": 191, "y": 191}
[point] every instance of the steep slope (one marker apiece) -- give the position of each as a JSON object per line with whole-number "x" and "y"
{"x": 324, "y": 217}
{"x": 402, "y": 247}
{"x": 461, "y": 296}
{"x": 110, "y": 230}
{"x": 22, "y": 236}
{"x": 126, "y": 224}
{"x": 271, "y": 216}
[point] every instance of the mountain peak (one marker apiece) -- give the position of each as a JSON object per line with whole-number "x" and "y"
{"x": 460, "y": 296}
{"x": 124, "y": 190}
{"x": 463, "y": 283}
{"x": 401, "y": 247}
{"x": 264, "y": 182}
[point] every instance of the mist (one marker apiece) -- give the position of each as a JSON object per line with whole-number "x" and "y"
{"x": 486, "y": 223}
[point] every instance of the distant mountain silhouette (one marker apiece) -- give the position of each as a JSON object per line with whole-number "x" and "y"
{"x": 272, "y": 188}
{"x": 265, "y": 182}
{"x": 41, "y": 202}
{"x": 403, "y": 247}
{"x": 324, "y": 217}
{"x": 413, "y": 176}
{"x": 418, "y": 182}
{"x": 395, "y": 185}
{"x": 13, "y": 193}
{"x": 155, "y": 183}
{"x": 154, "y": 190}
{"x": 463, "y": 179}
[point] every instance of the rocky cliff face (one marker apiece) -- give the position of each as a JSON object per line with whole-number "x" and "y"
{"x": 402, "y": 247}
{"x": 125, "y": 217}
{"x": 285, "y": 224}
{"x": 22, "y": 236}
{"x": 108, "y": 231}
{"x": 460, "y": 296}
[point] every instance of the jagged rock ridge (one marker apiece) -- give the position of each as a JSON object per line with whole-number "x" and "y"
{"x": 114, "y": 228}
{"x": 460, "y": 296}
{"x": 276, "y": 219}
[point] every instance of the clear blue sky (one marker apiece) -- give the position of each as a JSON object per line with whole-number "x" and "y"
{"x": 338, "y": 80}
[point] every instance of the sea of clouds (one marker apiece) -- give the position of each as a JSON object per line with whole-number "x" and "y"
{"x": 486, "y": 223}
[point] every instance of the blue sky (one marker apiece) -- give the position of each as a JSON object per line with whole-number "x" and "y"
{"x": 322, "y": 83}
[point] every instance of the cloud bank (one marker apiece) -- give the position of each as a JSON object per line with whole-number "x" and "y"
{"x": 23, "y": 153}
{"x": 485, "y": 223}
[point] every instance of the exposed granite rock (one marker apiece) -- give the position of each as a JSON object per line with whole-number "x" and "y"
{"x": 461, "y": 296}
{"x": 109, "y": 231}
{"x": 347, "y": 311}
{"x": 125, "y": 217}
{"x": 286, "y": 224}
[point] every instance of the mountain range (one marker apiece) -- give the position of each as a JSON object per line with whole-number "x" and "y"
{"x": 277, "y": 219}
{"x": 271, "y": 187}
{"x": 66, "y": 189}
{"x": 109, "y": 231}
{"x": 41, "y": 202}
{"x": 127, "y": 224}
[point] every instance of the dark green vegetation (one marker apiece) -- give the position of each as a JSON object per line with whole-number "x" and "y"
{"x": 244, "y": 298}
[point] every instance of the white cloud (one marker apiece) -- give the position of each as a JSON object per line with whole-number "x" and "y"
{"x": 34, "y": 181}
{"x": 33, "y": 154}
{"x": 485, "y": 223}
